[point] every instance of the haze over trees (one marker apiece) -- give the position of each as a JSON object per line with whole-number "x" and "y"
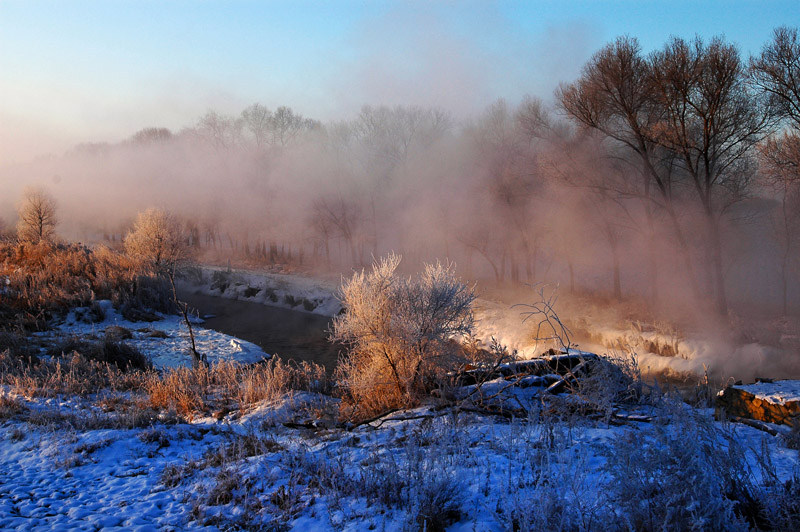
{"x": 669, "y": 175}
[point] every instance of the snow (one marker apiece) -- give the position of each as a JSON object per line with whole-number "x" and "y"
{"x": 169, "y": 352}
{"x": 62, "y": 478}
{"x": 777, "y": 392}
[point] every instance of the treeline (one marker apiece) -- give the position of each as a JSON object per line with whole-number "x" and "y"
{"x": 669, "y": 175}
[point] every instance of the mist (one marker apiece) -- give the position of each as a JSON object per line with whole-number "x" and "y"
{"x": 513, "y": 191}
{"x": 504, "y": 206}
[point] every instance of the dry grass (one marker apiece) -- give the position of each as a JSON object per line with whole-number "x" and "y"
{"x": 71, "y": 375}
{"x": 44, "y": 279}
{"x": 186, "y": 392}
{"x": 227, "y": 385}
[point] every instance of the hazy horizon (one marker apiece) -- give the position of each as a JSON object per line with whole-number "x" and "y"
{"x": 79, "y": 71}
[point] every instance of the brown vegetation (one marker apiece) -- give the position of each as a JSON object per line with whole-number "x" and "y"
{"x": 186, "y": 392}
{"x": 38, "y": 280}
{"x": 398, "y": 332}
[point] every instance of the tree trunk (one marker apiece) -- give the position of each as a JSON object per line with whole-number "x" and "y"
{"x": 617, "y": 281}
{"x": 652, "y": 260}
{"x": 720, "y": 298}
{"x": 684, "y": 249}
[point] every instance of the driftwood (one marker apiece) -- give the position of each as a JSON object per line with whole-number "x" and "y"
{"x": 755, "y": 424}
{"x": 554, "y": 372}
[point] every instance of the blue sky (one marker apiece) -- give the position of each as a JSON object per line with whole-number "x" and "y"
{"x": 77, "y": 71}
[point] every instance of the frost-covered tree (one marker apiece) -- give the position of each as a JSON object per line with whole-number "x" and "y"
{"x": 398, "y": 332}
{"x": 157, "y": 241}
{"x": 37, "y": 216}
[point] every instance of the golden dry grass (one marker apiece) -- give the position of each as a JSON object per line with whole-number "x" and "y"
{"x": 45, "y": 278}
{"x": 186, "y": 392}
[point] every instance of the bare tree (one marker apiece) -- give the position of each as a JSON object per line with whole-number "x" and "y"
{"x": 256, "y": 120}
{"x": 616, "y": 97}
{"x": 584, "y": 163}
{"x": 502, "y": 145}
{"x": 37, "y": 216}
{"x": 151, "y": 135}
{"x": 777, "y": 73}
{"x": 711, "y": 120}
{"x": 222, "y": 132}
{"x": 286, "y": 125}
{"x": 391, "y": 135}
{"x": 342, "y": 216}
{"x": 780, "y": 170}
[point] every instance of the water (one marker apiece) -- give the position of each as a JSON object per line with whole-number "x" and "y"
{"x": 289, "y": 333}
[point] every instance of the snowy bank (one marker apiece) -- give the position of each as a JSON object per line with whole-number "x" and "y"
{"x": 165, "y": 342}
{"x": 290, "y": 291}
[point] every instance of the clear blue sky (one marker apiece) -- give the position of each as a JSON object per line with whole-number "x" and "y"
{"x": 76, "y": 71}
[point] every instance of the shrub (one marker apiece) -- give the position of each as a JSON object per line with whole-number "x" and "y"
{"x": 15, "y": 344}
{"x": 674, "y": 479}
{"x": 110, "y": 351}
{"x": 398, "y": 331}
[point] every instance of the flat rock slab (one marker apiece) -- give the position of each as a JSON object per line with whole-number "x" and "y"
{"x": 774, "y": 402}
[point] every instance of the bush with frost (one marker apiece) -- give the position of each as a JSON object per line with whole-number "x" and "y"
{"x": 399, "y": 333}
{"x": 678, "y": 476}
{"x": 157, "y": 241}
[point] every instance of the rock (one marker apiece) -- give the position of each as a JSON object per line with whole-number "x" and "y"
{"x": 774, "y": 402}
{"x": 117, "y": 333}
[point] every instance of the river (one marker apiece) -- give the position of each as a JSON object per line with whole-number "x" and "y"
{"x": 291, "y": 334}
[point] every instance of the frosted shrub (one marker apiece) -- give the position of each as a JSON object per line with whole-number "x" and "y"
{"x": 399, "y": 333}
{"x": 672, "y": 478}
{"x": 549, "y": 485}
{"x": 157, "y": 241}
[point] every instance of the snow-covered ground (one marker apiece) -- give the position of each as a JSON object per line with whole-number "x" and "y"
{"x": 166, "y": 341}
{"x": 464, "y": 471}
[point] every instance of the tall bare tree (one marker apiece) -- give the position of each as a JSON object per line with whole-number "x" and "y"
{"x": 37, "y": 216}
{"x": 780, "y": 170}
{"x": 256, "y": 120}
{"x": 777, "y": 72}
{"x": 286, "y": 125}
{"x": 222, "y": 132}
{"x": 711, "y": 119}
{"x": 615, "y": 96}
